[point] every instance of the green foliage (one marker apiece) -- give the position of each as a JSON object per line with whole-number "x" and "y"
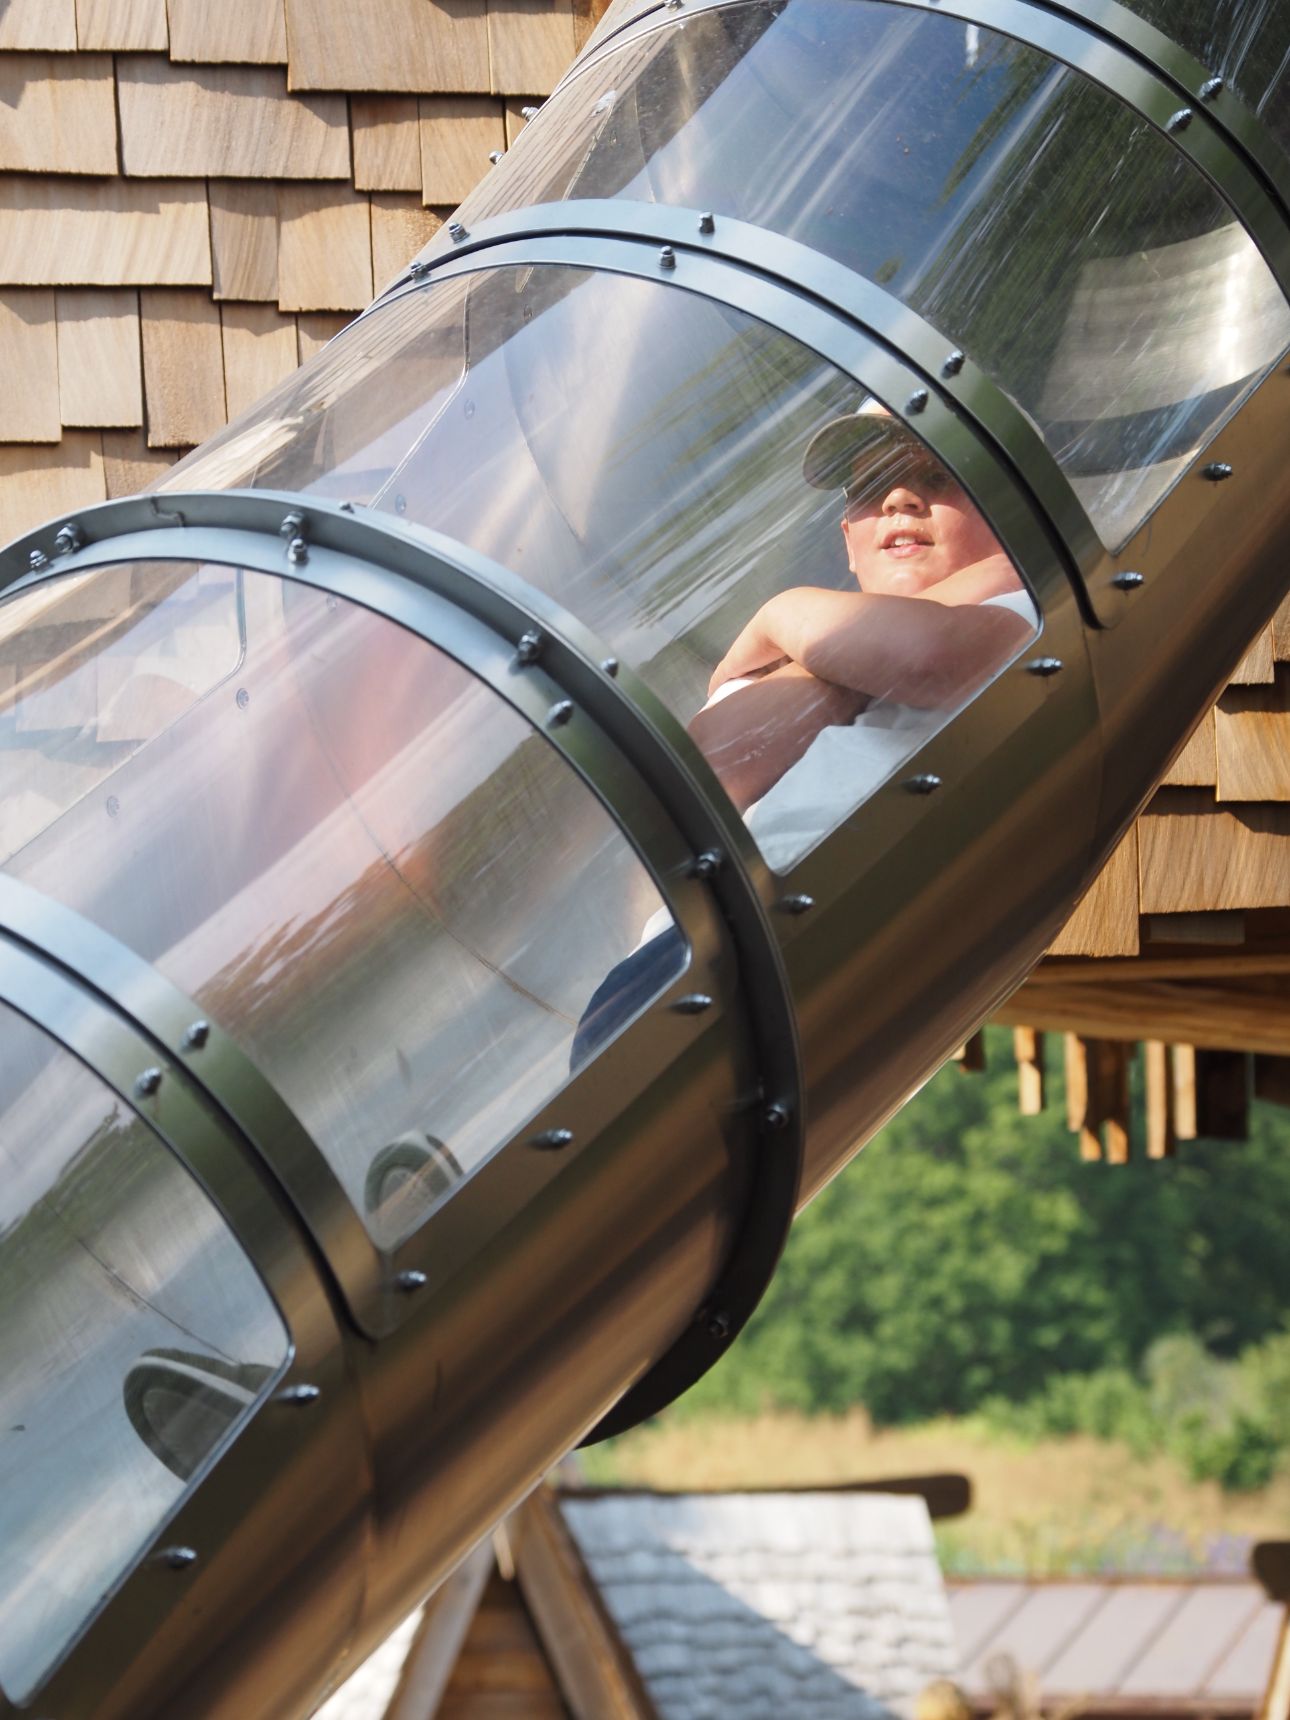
{"x": 970, "y": 1258}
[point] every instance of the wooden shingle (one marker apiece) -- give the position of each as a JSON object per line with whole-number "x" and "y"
{"x": 409, "y": 45}
{"x": 1253, "y": 735}
{"x": 1197, "y": 856}
{"x": 110, "y": 232}
{"x": 324, "y": 249}
{"x": 122, "y": 26}
{"x": 37, "y": 484}
{"x": 458, "y": 133}
{"x": 314, "y": 330}
{"x": 57, "y": 113}
{"x": 259, "y": 350}
{"x": 400, "y": 228}
{"x": 27, "y": 26}
{"x": 100, "y": 381}
{"x": 226, "y": 121}
{"x": 129, "y": 464}
{"x": 387, "y": 143}
{"x": 530, "y": 44}
{"x": 1281, "y": 632}
{"x": 244, "y": 239}
{"x": 1106, "y": 921}
{"x": 29, "y": 366}
{"x": 1256, "y": 667}
{"x": 250, "y": 32}
{"x": 1197, "y": 764}
{"x": 183, "y": 368}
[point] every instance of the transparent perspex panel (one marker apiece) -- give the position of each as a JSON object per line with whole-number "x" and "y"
{"x": 1067, "y": 246}
{"x": 355, "y": 857}
{"x": 135, "y": 1338}
{"x": 1245, "y": 42}
{"x": 786, "y": 566}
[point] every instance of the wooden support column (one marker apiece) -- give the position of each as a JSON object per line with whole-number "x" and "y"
{"x": 1161, "y": 1141}
{"x": 1028, "y": 1048}
{"x": 1182, "y": 1070}
{"x": 1097, "y": 1097}
{"x": 970, "y": 1056}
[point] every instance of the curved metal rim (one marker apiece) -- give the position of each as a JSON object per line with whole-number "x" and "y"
{"x": 1108, "y": 20}
{"x": 809, "y": 274}
{"x": 637, "y": 725}
{"x": 226, "y": 1168}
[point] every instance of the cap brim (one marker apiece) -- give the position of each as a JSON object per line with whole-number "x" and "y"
{"x": 833, "y": 452}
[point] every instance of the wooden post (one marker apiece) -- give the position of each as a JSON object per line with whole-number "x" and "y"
{"x": 1076, "y": 1064}
{"x": 970, "y": 1056}
{"x": 1223, "y": 1080}
{"x": 1109, "y": 1102}
{"x": 1160, "y": 1110}
{"x": 1028, "y": 1048}
{"x": 1182, "y": 1059}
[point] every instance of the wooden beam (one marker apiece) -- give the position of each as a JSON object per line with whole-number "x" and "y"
{"x": 1232, "y": 1017}
{"x": 447, "y": 1618}
{"x": 1248, "y": 961}
{"x": 1028, "y": 1049}
{"x": 1161, "y": 1141}
{"x": 596, "y": 1674}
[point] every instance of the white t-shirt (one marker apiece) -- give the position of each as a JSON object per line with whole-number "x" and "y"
{"x": 845, "y": 764}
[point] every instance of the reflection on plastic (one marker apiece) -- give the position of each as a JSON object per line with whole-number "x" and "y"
{"x": 1014, "y": 204}
{"x": 642, "y": 455}
{"x": 1245, "y": 42}
{"x": 109, "y": 1254}
{"x": 367, "y": 868}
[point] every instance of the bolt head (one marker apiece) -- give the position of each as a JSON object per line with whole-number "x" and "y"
{"x": 716, "y": 1323}
{"x": 797, "y": 904}
{"x": 926, "y": 783}
{"x": 610, "y": 667}
{"x": 707, "y": 864}
{"x": 1216, "y": 471}
{"x": 693, "y": 1003}
{"x": 177, "y": 1558}
{"x": 300, "y": 1395}
{"x": 1044, "y": 666}
{"x": 456, "y": 232}
{"x": 917, "y": 402}
{"x": 552, "y": 1140}
{"x": 560, "y": 713}
{"x": 68, "y": 539}
{"x": 954, "y": 362}
{"x": 147, "y": 1083}
{"x": 1179, "y": 121}
{"x": 1128, "y": 581}
{"x": 667, "y": 258}
{"x": 411, "y": 1280}
{"x": 418, "y": 267}
{"x": 495, "y": 155}
{"x": 297, "y": 552}
{"x": 707, "y": 222}
{"x": 197, "y": 1035}
{"x": 1210, "y": 88}
{"x": 776, "y": 1117}
{"x": 529, "y": 648}
{"x": 37, "y": 559}
{"x": 292, "y": 525}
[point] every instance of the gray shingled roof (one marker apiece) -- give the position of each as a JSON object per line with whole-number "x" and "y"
{"x": 763, "y": 1605}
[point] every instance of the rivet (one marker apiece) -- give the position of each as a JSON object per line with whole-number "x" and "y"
{"x": 176, "y": 1558}
{"x": 1216, "y": 471}
{"x": 926, "y": 783}
{"x": 418, "y": 268}
{"x": 707, "y": 222}
{"x": 495, "y": 155}
{"x": 147, "y": 1083}
{"x": 1210, "y": 88}
{"x": 916, "y": 402}
{"x": 297, "y": 552}
{"x": 299, "y": 1395}
{"x": 456, "y": 232}
{"x": 1179, "y": 121}
{"x": 775, "y": 1116}
{"x": 197, "y": 1035}
{"x": 410, "y": 1280}
{"x": 559, "y": 714}
{"x": 715, "y": 1322}
{"x": 347, "y": 507}
{"x": 68, "y": 539}
{"x": 693, "y": 1003}
{"x": 954, "y": 362}
{"x": 37, "y": 559}
{"x": 113, "y": 805}
{"x": 1043, "y": 666}
{"x": 1128, "y": 581}
{"x": 799, "y": 904}
{"x": 707, "y": 864}
{"x": 610, "y": 667}
{"x": 292, "y": 526}
{"x": 243, "y": 698}
{"x": 551, "y": 1140}
{"x": 529, "y": 648}
{"x": 672, "y": 6}
{"x": 667, "y": 258}
{"x": 528, "y": 113}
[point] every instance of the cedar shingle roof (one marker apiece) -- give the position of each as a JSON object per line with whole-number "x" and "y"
{"x": 193, "y": 198}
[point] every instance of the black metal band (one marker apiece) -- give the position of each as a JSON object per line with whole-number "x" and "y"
{"x": 371, "y": 560}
